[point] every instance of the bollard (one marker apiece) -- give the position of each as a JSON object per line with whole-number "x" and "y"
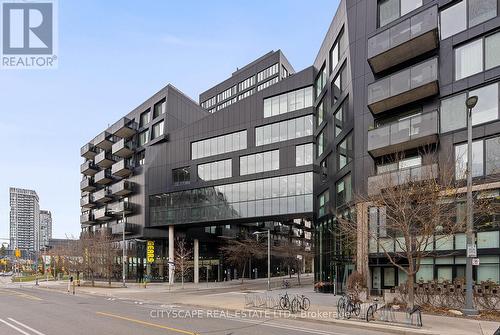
{"x": 74, "y": 284}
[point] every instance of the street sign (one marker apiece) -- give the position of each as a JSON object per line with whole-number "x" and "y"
{"x": 471, "y": 250}
{"x": 475, "y": 261}
{"x": 150, "y": 251}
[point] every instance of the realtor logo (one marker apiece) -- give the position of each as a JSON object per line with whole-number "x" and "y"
{"x": 28, "y": 34}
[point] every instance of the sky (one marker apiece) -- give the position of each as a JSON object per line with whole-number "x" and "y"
{"x": 113, "y": 55}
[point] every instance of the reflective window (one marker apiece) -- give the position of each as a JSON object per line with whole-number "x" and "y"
{"x": 246, "y": 83}
{"x": 321, "y": 143}
{"x": 158, "y": 130}
{"x": 344, "y": 190}
{"x": 453, "y": 19}
{"x": 492, "y": 51}
{"x": 215, "y": 170}
{"x": 260, "y": 162}
{"x": 271, "y": 196}
{"x": 266, "y": 73}
{"x": 145, "y": 118}
{"x": 219, "y": 145}
{"x": 390, "y": 10}
{"x": 337, "y": 50}
{"x": 268, "y": 83}
{"x": 405, "y": 163}
{"x": 323, "y": 200}
{"x": 181, "y": 176}
{"x": 275, "y": 132}
{"x": 320, "y": 81}
{"x": 344, "y": 152}
{"x": 288, "y": 102}
{"x": 304, "y": 154}
{"x": 461, "y": 160}
{"x": 454, "y": 112}
{"x": 159, "y": 108}
{"x": 209, "y": 102}
{"x": 469, "y": 59}
{"x": 339, "y": 84}
{"x": 226, "y": 94}
{"x": 144, "y": 137}
{"x": 320, "y": 110}
{"x": 339, "y": 117}
{"x": 481, "y": 11}
{"x": 493, "y": 156}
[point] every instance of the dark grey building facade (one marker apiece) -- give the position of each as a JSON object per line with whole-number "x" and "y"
{"x": 271, "y": 148}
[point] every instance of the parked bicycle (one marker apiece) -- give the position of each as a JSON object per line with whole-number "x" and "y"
{"x": 285, "y": 301}
{"x": 348, "y": 306}
{"x": 370, "y": 312}
{"x": 285, "y": 284}
{"x": 300, "y": 302}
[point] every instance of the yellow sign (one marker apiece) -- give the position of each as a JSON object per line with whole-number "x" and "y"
{"x": 18, "y": 253}
{"x": 150, "y": 251}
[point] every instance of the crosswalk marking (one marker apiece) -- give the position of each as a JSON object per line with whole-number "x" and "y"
{"x": 27, "y": 327}
{"x": 14, "y": 327}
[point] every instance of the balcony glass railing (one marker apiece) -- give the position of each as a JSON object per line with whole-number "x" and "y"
{"x": 407, "y": 130}
{"x": 120, "y": 167}
{"x": 385, "y": 89}
{"x": 101, "y": 213}
{"x": 400, "y": 177}
{"x": 88, "y": 167}
{"x": 88, "y": 150}
{"x": 102, "y": 194}
{"x": 403, "y": 32}
{"x": 102, "y": 175}
{"x": 122, "y": 187}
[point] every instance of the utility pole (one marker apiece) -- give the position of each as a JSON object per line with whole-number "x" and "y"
{"x": 471, "y": 244}
{"x": 268, "y": 256}
{"x": 124, "y": 247}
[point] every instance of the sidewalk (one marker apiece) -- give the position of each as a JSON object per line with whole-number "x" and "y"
{"x": 231, "y": 296}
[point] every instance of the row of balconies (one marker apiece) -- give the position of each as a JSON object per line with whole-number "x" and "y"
{"x": 122, "y": 168}
{"x": 124, "y": 129}
{"x": 121, "y": 188}
{"x": 107, "y": 212}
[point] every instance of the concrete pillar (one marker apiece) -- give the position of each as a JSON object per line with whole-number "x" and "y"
{"x": 196, "y": 261}
{"x": 171, "y": 256}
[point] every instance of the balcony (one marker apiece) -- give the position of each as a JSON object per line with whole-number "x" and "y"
{"x": 87, "y": 218}
{"x": 123, "y": 148}
{"x": 87, "y": 201}
{"x": 406, "y": 40}
{"x": 122, "y": 188}
{"x": 121, "y": 169}
{"x": 103, "y": 177}
{"x": 104, "y": 141}
{"x": 87, "y": 185}
{"x": 103, "y": 196}
{"x": 88, "y": 168}
{"x": 104, "y": 159}
{"x": 417, "y": 131}
{"x": 102, "y": 214}
{"x": 88, "y": 151}
{"x": 409, "y": 85}
{"x": 124, "y": 128}
{"x": 117, "y": 229}
{"x": 121, "y": 208}
{"x": 400, "y": 177}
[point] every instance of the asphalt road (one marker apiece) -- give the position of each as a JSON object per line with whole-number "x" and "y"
{"x": 35, "y": 311}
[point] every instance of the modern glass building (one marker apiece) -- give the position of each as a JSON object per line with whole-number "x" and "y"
{"x": 272, "y": 148}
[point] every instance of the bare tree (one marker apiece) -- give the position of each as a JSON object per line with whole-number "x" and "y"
{"x": 183, "y": 257}
{"x": 407, "y": 214}
{"x": 239, "y": 251}
{"x": 293, "y": 254}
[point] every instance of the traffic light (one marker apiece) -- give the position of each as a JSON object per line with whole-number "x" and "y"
{"x": 18, "y": 253}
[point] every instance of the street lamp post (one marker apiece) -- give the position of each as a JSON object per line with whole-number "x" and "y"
{"x": 268, "y": 257}
{"x": 123, "y": 249}
{"x": 469, "y": 302}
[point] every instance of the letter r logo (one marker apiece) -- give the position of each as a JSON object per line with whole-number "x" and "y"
{"x": 27, "y": 28}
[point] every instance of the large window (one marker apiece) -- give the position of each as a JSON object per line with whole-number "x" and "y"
{"x": 288, "y": 102}
{"x": 485, "y": 158}
{"x": 219, "y": 145}
{"x": 344, "y": 152}
{"x": 159, "y": 108}
{"x": 390, "y": 10}
{"x": 344, "y": 190}
{"x": 320, "y": 80}
{"x": 402, "y": 164}
{"x": 321, "y": 143}
{"x": 469, "y": 58}
{"x": 250, "y": 81}
{"x": 454, "y": 112}
{"x": 284, "y": 130}
{"x": 339, "y": 118}
{"x": 304, "y": 154}
{"x": 260, "y": 162}
{"x": 144, "y": 137}
{"x": 454, "y": 18}
{"x": 158, "y": 130}
{"x": 145, "y": 118}
{"x": 320, "y": 112}
{"x": 339, "y": 84}
{"x": 181, "y": 176}
{"x": 215, "y": 170}
{"x": 266, "y": 73}
{"x": 337, "y": 50}
{"x": 262, "y": 197}
{"x": 323, "y": 200}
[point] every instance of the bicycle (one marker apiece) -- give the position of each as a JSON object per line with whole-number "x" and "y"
{"x": 370, "y": 312}
{"x": 300, "y": 303}
{"x": 347, "y": 305}
{"x": 285, "y": 301}
{"x": 285, "y": 284}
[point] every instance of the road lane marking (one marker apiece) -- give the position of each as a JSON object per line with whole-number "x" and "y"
{"x": 14, "y": 327}
{"x": 21, "y": 294}
{"x": 147, "y": 323}
{"x": 26, "y": 326}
